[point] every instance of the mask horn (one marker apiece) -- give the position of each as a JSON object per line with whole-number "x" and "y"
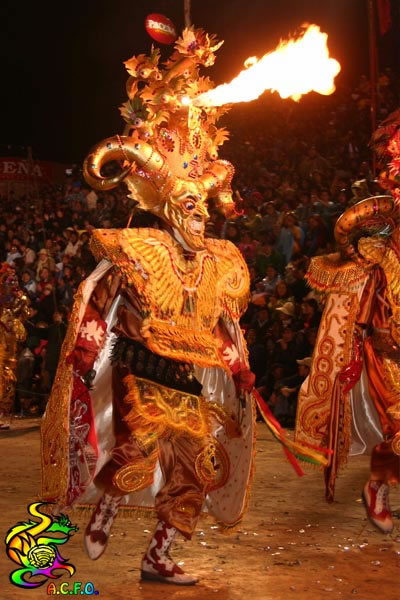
{"x": 138, "y": 153}
{"x": 216, "y": 181}
{"x": 360, "y": 213}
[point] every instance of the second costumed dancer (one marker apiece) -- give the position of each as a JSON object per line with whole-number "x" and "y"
{"x": 350, "y": 403}
{"x": 168, "y": 424}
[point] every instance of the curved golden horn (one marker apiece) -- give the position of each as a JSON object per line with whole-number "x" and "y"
{"x": 138, "y": 153}
{"x": 216, "y": 181}
{"x": 105, "y": 151}
{"x": 363, "y": 210}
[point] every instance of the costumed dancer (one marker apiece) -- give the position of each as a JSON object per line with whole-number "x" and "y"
{"x": 350, "y": 402}
{"x": 168, "y": 423}
{"x": 14, "y": 310}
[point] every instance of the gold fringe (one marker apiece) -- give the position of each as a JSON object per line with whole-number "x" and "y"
{"x": 331, "y": 273}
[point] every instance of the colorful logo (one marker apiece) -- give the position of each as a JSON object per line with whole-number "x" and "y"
{"x": 75, "y": 588}
{"x": 36, "y": 553}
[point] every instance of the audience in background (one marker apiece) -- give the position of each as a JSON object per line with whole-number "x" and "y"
{"x": 291, "y": 184}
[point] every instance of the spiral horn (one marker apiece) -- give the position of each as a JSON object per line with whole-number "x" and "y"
{"x": 361, "y": 212}
{"x": 138, "y": 153}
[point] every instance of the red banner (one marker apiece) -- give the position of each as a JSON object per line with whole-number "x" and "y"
{"x": 19, "y": 169}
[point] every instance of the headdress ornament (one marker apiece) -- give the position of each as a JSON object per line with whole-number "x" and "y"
{"x": 386, "y": 144}
{"x": 376, "y": 215}
{"x": 169, "y": 150}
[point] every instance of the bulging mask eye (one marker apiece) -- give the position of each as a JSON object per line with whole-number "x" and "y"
{"x": 137, "y": 122}
{"x": 189, "y": 205}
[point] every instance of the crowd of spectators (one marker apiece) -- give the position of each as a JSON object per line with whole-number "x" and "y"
{"x": 298, "y": 166}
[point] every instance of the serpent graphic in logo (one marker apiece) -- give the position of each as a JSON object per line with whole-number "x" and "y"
{"x": 36, "y": 553}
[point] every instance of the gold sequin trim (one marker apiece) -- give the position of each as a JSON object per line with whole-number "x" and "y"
{"x": 159, "y": 410}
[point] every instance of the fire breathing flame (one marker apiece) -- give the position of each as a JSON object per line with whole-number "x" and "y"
{"x": 296, "y": 67}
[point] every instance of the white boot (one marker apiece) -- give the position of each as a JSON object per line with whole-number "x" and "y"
{"x": 375, "y": 496}
{"x": 157, "y": 565}
{"x": 99, "y": 527}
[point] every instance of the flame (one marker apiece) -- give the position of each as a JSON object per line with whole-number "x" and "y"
{"x": 296, "y": 67}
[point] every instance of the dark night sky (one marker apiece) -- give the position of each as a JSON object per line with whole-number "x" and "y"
{"x": 63, "y": 77}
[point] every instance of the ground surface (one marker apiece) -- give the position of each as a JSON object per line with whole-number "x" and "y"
{"x": 291, "y": 545}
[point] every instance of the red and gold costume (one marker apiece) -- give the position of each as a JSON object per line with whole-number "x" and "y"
{"x": 168, "y": 423}
{"x": 350, "y": 403}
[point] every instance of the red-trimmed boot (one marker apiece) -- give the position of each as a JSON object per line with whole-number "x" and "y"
{"x": 375, "y": 496}
{"x": 99, "y": 527}
{"x": 157, "y": 565}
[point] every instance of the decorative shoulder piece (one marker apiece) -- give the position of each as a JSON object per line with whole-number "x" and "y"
{"x": 233, "y": 276}
{"x": 331, "y": 273}
{"x": 104, "y": 243}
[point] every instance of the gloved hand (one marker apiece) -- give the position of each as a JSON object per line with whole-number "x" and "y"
{"x": 242, "y": 376}
{"x": 244, "y": 381}
{"x": 351, "y": 373}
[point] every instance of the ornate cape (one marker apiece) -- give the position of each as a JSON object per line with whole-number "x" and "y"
{"x": 324, "y": 416}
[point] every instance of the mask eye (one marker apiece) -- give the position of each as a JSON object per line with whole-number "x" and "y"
{"x": 189, "y": 205}
{"x": 137, "y": 122}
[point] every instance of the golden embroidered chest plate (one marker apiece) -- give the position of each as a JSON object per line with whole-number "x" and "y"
{"x": 181, "y": 299}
